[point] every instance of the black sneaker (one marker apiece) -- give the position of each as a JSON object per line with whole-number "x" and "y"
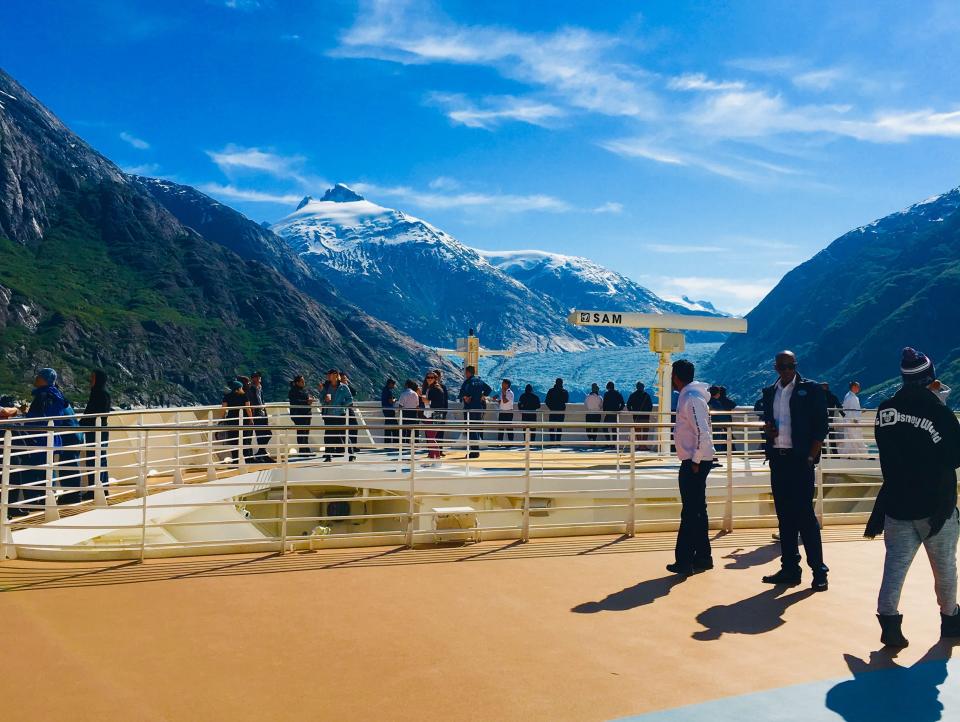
{"x": 473, "y": 455}
{"x": 352, "y": 458}
{"x": 784, "y": 576}
{"x": 819, "y": 583}
{"x": 328, "y": 458}
{"x": 684, "y": 570}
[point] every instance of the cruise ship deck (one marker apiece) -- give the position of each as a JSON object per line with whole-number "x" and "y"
{"x": 586, "y": 628}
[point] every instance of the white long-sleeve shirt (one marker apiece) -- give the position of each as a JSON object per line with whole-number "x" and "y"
{"x": 691, "y": 433}
{"x": 851, "y": 406}
{"x": 781, "y": 413}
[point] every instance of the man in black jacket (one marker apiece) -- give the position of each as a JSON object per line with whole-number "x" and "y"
{"x": 612, "y": 405}
{"x": 919, "y": 442}
{"x": 557, "y": 398}
{"x": 641, "y": 405}
{"x": 795, "y": 419}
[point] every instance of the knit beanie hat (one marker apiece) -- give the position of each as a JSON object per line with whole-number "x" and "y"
{"x": 917, "y": 368}
{"x": 48, "y": 375}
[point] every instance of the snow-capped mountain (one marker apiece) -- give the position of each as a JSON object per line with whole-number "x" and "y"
{"x": 577, "y": 282}
{"x": 421, "y": 279}
{"x": 427, "y": 283}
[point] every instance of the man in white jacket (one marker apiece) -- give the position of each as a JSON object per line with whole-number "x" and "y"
{"x": 853, "y": 436}
{"x": 693, "y": 438}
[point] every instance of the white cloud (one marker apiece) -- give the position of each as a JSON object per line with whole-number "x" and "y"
{"x": 572, "y": 63}
{"x": 494, "y": 202}
{"x": 822, "y": 79}
{"x": 734, "y": 294}
{"x": 150, "y": 169}
{"x": 609, "y": 207}
{"x": 242, "y": 4}
{"x": 683, "y": 249}
{"x": 137, "y": 143}
{"x": 648, "y": 149}
{"x": 230, "y": 192}
{"x": 444, "y": 183}
{"x": 699, "y": 81}
{"x": 496, "y": 110}
{"x": 235, "y": 160}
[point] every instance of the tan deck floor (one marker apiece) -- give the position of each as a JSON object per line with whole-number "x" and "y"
{"x": 588, "y": 628}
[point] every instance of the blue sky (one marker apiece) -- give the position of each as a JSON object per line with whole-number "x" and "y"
{"x": 699, "y": 148}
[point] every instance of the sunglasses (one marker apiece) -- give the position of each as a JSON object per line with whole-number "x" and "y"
{"x": 785, "y": 367}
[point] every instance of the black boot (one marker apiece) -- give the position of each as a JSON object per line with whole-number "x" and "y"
{"x": 890, "y": 633}
{"x": 950, "y": 626}
{"x": 789, "y": 577}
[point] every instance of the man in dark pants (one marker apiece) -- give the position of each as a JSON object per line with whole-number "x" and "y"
{"x": 557, "y": 399}
{"x": 261, "y": 422}
{"x": 694, "y": 443}
{"x": 473, "y": 394}
{"x": 795, "y": 424}
{"x": 388, "y": 406}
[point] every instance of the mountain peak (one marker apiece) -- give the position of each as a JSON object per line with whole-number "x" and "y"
{"x": 340, "y": 193}
{"x": 306, "y": 199}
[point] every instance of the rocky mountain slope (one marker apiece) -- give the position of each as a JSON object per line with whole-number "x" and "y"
{"x": 849, "y": 310}
{"x": 94, "y": 271}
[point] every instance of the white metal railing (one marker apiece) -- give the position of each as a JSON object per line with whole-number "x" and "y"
{"x": 530, "y": 477}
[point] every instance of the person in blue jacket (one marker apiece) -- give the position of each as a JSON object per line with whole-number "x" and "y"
{"x": 335, "y": 403}
{"x": 473, "y": 394}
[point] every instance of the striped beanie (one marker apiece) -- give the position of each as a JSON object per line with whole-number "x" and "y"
{"x": 917, "y": 368}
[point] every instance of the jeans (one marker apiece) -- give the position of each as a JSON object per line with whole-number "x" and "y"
{"x": 508, "y": 417}
{"x": 555, "y": 431}
{"x": 610, "y": 433}
{"x": 303, "y": 433}
{"x": 474, "y": 417}
{"x": 793, "y": 485}
{"x": 390, "y": 434}
{"x": 261, "y": 430}
{"x": 902, "y": 539}
{"x": 592, "y": 421}
{"x": 333, "y": 439}
{"x": 693, "y": 539}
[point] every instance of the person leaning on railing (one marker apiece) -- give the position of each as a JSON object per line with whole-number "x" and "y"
{"x": 556, "y": 401}
{"x": 301, "y": 412}
{"x": 473, "y": 394}
{"x": 94, "y": 417}
{"x": 237, "y": 412}
{"x": 918, "y": 438}
{"x": 335, "y": 402}
{"x": 261, "y": 421}
{"x": 528, "y": 404}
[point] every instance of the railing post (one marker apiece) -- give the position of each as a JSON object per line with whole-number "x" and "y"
{"x": 525, "y": 524}
{"x": 50, "y": 510}
{"x": 99, "y": 493}
{"x": 631, "y": 529}
{"x": 241, "y": 458}
{"x": 284, "y": 507}
{"x": 177, "y": 455}
{"x": 411, "y": 507}
{"x": 728, "y": 506}
{"x": 211, "y": 465}
{"x": 143, "y": 500}
{"x": 7, "y": 550}
{"x": 141, "y": 464}
{"x": 820, "y": 492}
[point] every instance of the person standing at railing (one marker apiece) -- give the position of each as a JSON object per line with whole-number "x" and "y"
{"x": 593, "y": 405}
{"x": 505, "y": 410}
{"x": 853, "y": 437}
{"x": 301, "y": 412}
{"x": 835, "y": 413}
{"x": 693, "y": 439}
{"x": 473, "y": 395}
{"x": 335, "y": 405}
{"x": 641, "y": 405}
{"x": 352, "y": 420}
{"x": 612, "y": 405}
{"x": 237, "y": 412}
{"x": 528, "y": 404}
{"x": 409, "y": 403}
{"x": 388, "y": 407}
{"x": 440, "y": 406}
{"x": 431, "y": 393}
{"x": 99, "y": 404}
{"x": 795, "y": 426}
{"x": 261, "y": 420}
{"x": 719, "y": 403}
{"x": 919, "y": 442}
{"x": 557, "y": 399}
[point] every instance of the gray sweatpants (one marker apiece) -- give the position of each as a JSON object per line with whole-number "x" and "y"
{"x": 902, "y": 539}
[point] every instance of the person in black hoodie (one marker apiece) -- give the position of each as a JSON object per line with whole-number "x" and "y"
{"x": 612, "y": 405}
{"x": 919, "y": 442}
{"x": 94, "y": 415}
{"x": 557, "y": 399}
{"x": 528, "y": 404}
{"x": 301, "y": 412}
{"x": 640, "y": 404}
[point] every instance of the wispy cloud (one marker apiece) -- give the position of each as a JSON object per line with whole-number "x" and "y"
{"x": 150, "y": 169}
{"x": 134, "y": 141}
{"x": 232, "y": 193}
{"x": 608, "y": 207}
{"x": 679, "y": 248}
{"x": 444, "y": 183}
{"x": 235, "y": 160}
{"x": 571, "y": 63}
{"x": 699, "y": 81}
{"x": 493, "y": 202}
{"x": 495, "y": 110}
{"x": 734, "y": 294}
{"x": 650, "y": 150}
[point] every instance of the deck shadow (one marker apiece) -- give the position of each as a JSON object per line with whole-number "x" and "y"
{"x": 639, "y": 595}
{"x": 758, "y": 614}
{"x": 753, "y": 557}
{"x": 883, "y": 691}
